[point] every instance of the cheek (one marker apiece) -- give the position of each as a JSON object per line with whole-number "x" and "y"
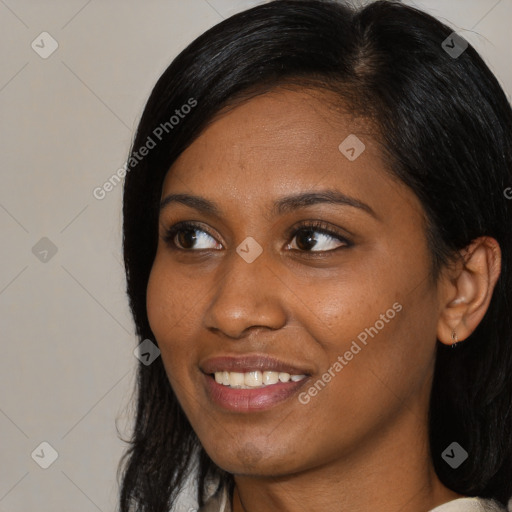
{"x": 170, "y": 302}
{"x": 340, "y": 308}
{"x": 159, "y": 302}
{"x": 170, "y": 310}
{"x": 383, "y": 351}
{"x": 381, "y": 320}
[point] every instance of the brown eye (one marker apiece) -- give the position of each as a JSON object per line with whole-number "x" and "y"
{"x": 187, "y": 236}
{"x": 316, "y": 238}
{"x": 305, "y": 240}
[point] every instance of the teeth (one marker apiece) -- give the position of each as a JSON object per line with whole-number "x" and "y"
{"x": 270, "y": 378}
{"x": 236, "y": 379}
{"x": 255, "y": 379}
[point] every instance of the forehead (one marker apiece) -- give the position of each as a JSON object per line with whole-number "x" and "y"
{"x": 281, "y": 135}
{"x": 282, "y": 144}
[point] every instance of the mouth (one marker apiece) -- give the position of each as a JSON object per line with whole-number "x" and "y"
{"x": 251, "y": 383}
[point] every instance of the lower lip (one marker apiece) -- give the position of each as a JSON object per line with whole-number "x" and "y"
{"x": 247, "y": 400}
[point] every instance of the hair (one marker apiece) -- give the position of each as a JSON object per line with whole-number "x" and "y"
{"x": 445, "y": 126}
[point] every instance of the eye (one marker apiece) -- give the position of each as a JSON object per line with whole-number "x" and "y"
{"x": 313, "y": 236}
{"x": 189, "y": 236}
{"x": 317, "y": 237}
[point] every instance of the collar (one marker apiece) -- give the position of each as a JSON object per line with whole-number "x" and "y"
{"x": 219, "y": 502}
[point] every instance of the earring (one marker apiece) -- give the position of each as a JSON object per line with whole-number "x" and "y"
{"x": 455, "y": 339}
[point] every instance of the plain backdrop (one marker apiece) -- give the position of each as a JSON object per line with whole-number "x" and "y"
{"x": 67, "y": 365}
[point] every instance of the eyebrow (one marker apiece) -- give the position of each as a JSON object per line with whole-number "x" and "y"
{"x": 281, "y": 206}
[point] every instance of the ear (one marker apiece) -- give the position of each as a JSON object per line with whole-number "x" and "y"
{"x": 465, "y": 290}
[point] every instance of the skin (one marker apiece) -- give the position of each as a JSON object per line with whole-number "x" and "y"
{"x": 361, "y": 443}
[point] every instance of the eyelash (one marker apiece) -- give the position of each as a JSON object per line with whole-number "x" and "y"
{"x": 317, "y": 226}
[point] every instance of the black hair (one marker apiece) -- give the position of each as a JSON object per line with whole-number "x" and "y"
{"x": 445, "y": 126}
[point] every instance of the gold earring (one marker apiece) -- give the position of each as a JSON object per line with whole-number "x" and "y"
{"x": 455, "y": 339}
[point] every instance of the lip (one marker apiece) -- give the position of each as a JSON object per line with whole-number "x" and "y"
{"x": 250, "y": 363}
{"x": 249, "y": 400}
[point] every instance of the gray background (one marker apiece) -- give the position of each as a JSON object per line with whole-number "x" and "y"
{"x": 67, "y": 363}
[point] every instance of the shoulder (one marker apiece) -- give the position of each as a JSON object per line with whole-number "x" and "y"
{"x": 471, "y": 505}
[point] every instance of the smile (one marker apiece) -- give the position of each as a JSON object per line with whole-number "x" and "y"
{"x": 254, "y": 379}
{"x": 252, "y": 382}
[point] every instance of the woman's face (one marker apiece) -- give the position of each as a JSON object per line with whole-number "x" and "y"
{"x": 305, "y": 259}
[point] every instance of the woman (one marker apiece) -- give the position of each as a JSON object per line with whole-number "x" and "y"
{"x": 318, "y": 238}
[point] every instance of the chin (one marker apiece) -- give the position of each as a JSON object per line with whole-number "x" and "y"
{"x": 253, "y": 459}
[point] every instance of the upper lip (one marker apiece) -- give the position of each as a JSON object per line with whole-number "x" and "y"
{"x": 249, "y": 363}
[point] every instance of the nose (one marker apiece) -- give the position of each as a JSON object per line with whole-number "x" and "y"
{"x": 248, "y": 296}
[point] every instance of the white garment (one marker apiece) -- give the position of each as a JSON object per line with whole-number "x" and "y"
{"x": 470, "y": 505}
